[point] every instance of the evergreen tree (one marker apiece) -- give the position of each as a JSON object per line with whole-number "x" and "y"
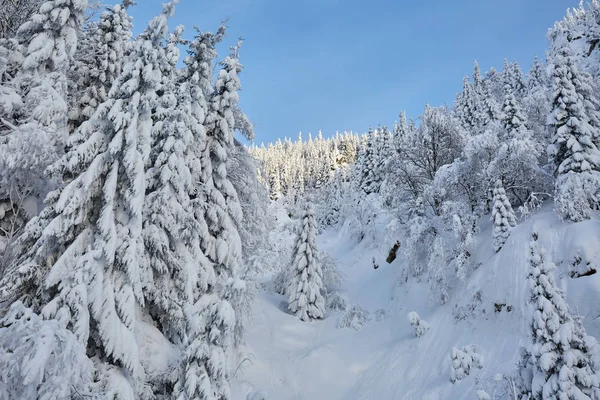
{"x": 513, "y": 80}
{"x": 214, "y": 327}
{"x": 536, "y": 105}
{"x": 463, "y": 360}
{"x": 517, "y": 80}
{"x": 81, "y": 256}
{"x": 41, "y": 359}
{"x": 172, "y": 232}
{"x": 536, "y": 78}
{"x": 502, "y": 216}
{"x": 477, "y": 78}
{"x": 562, "y": 355}
{"x": 50, "y": 40}
{"x": 494, "y": 83}
{"x": 489, "y": 107}
{"x": 401, "y": 126}
{"x": 33, "y": 108}
{"x": 420, "y": 326}
{"x": 305, "y": 283}
{"x": 102, "y": 63}
{"x": 468, "y": 107}
{"x": 513, "y": 120}
{"x": 575, "y": 156}
{"x": 369, "y": 178}
{"x": 199, "y": 73}
{"x": 384, "y": 152}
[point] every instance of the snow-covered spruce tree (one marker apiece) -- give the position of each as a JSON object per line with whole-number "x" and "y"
{"x": 227, "y": 211}
{"x": 562, "y": 355}
{"x": 536, "y": 106}
{"x": 468, "y": 107}
{"x": 171, "y": 231}
{"x": 41, "y": 359}
{"x": 384, "y": 151}
{"x": 348, "y": 148}
{"x": 214, "y": 328}
{"x": 575, "y": 156}
{"x": 325, "y": 161}
{"x": 493, "y": 83}
{"x": 33, "y": 107}
{"x": 421, "y": 327}
{"x": 101, "y": 64}
{"x": 199, "y": 73}
{"x": 490, "y": 110}
{"x": 298, "y": 178}
{"x": 305, "y": 284}
{"x": 400, "y": 126}
{"x": 518, "y": 84}
{"x": 50, "y": 40}
{"x": 331, "y": 199}
{"x": 503, "y": 216}
{"x": 369, "y": 177}
{"x": 183, "y": 275}
{"x": 477, "y": 78}
{"x": 513, "y": 80}
{"x": 463, "y": 361}
{"x": 512, "y": 116}
{"x": 80, "y": 261}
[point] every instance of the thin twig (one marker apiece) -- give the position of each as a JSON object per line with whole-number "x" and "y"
{"x": 5, "y": 122}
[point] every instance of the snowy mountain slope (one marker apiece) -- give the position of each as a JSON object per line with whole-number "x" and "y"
{"x": 384, "y": 360}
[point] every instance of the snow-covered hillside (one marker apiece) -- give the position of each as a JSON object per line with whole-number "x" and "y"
{"x": 146, "y": 254}
{"x": 290, "y": 359}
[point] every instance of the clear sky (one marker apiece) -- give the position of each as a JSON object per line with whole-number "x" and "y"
{"x": 332, "y": 65}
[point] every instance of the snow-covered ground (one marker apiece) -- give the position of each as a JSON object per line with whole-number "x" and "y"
{"x": 291, "y": 359}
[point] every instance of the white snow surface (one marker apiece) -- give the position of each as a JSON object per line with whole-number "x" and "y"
{"x": 291, "y": 359}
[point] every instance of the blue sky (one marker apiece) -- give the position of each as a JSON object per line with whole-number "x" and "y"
{"x": 332, "y": 65}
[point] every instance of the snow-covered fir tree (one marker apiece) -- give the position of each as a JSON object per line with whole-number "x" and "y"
{"x": 421, "y": 327}
{"x": 503, "y": 216}
{"x": 468, "y": 106}
{"x": 562, "y": 355}
{"x": 477, "y": 78}
{"x": 575, "y": 155}
{"x": 536, "y": 105}
{"x": 33, "y": 108}
{"x": 50, "y": 40}
{"x": 82, "y": 254}
{"x": 463, "y": 360}
{"x": 101, "y": 62}
{"x": 214, "y": 328}
{"x": 513, "y": 119}
{"x": 179, "y": 271}
{"x": 400, "y": 126}
{"x": 305, "y": 283}
{"x": 41, "y": 359}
